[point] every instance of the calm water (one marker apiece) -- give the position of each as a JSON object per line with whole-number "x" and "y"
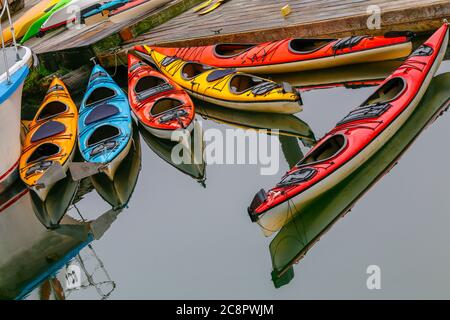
{"x": 178, "y": 239}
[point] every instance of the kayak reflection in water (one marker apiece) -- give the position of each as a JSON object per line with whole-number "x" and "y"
{"x": 298, "y": 236}
{"x": 195, "y": 167}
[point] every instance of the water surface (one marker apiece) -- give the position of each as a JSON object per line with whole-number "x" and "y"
{"x": 180, "y": 240}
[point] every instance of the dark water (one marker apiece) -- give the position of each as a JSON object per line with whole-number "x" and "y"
{"x": 178, "y": 239}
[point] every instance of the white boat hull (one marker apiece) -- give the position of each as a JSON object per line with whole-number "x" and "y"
{"x": 10, "y": 112}
{"x": 10, "y": 138}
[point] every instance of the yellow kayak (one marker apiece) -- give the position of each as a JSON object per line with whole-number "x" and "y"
{"x": 51, "y": 137}
{"x": 227, "y": 87}
{"x": 22, "y": 24}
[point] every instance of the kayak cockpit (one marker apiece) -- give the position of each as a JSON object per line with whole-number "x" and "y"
{"x": 228, "y": 50}
{"x": 149, "y": 86}
{"x": 99, "y": 94}
{"x": 148, "y": 82}
{"x": 165, "y": 105}
{"x": 44, "y": 151}
{"x": 52, "y": 110}
{"x": 303, "y": 46}
{"x": 241, "y": 83}
{"x": 192, "y": 70}
{"x": 102, "y": 134}
{"x": 327, "y": 150}
{"x": 378, "y": 103}
{"x": 387, "y": 92}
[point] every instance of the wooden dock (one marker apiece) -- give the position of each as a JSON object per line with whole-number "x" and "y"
{"x": 73, "y": 48}
{"x": 175, "y": 24}
{"x": 261, "y": 20}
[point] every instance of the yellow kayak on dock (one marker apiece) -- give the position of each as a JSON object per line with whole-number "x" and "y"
{"x": 227, "y": 87}
{"x": 22, "y": 24}
{"x": 51, "y": 138}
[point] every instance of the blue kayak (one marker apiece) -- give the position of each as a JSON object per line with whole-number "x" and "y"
{"x": 110, "y": 6}
{"x": 105, "y": 123}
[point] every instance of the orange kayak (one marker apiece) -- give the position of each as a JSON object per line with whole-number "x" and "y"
{"x": 51, "y": 138}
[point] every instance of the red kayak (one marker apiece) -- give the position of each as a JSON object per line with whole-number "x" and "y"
{"x": 292, "y": 55}
{"x": 159, "y": 104}
{"x": 354, "y": 139}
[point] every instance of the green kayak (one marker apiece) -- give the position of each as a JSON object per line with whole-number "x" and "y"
{"x": 33, "y": 30}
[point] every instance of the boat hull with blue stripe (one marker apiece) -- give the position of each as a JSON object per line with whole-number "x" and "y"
{"x": 105, "y": 123}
